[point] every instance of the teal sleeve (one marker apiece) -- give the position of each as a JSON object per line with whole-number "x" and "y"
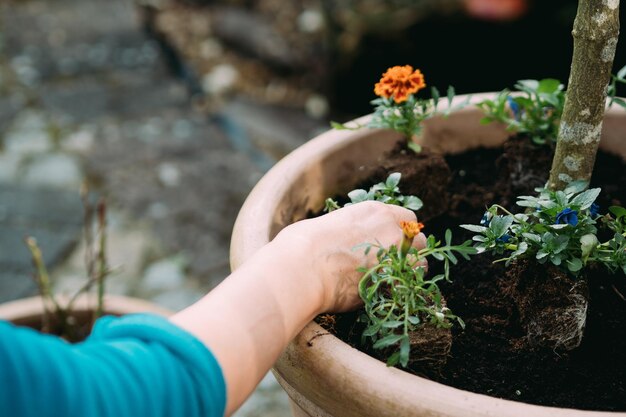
{"x": 138, "y": 365}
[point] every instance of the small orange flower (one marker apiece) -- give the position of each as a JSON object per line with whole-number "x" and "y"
{"x": 411, "y": 229}
{"x": 400, "y": 82}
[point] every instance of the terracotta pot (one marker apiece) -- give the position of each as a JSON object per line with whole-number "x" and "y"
{"x": 29, "y": 311}
{"x": 322, "y": 375}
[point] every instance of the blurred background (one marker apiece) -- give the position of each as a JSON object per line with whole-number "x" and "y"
{"x": 172, "y": 111}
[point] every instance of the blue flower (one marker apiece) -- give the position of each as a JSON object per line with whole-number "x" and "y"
{"x": 504, "y": 239}
{"x": 514, "y": 107}
{"x": 486, "y": 219}
{"x": 594, "y": 210}
{"x": 567, "y": 216}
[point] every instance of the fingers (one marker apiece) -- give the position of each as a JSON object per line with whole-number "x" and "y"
{"x": 419, "y": 242}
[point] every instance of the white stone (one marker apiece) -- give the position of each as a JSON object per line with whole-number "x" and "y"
{"x": 164, "y": 275}
{"x": 210, "y": 49}
{"x": 158, "y": 210}
{"x": 28, "y": 135}
{"x": 9, "y": 165}
{"x": 310, "y": 21}
{"x": 221, "y": 79}
{"x": 55, "y": 170}
{"x": 169, "y": 174}
{"x": 80, "y": 141}
{"x": 317, "y": 106}
{"x": 182, "y": 129}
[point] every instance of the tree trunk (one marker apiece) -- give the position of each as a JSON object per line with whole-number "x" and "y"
{"x": 595, "y": 33}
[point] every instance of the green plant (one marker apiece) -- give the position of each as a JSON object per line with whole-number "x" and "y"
{"x": 560, "y": 227}
{"x": 386, "y": 192}
{"x": 397, "y": 107}
{"x": 398, "y": 296}
{"x": 58, "y": 317}
{"x": 535, "y": 109}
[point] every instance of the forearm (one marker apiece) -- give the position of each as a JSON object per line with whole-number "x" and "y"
{"x": 250, "y": 318}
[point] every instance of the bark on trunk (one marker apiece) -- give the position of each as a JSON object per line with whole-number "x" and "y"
{"x": 595, "y": 33}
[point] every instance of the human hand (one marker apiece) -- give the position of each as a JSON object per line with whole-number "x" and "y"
{"x": 329, "y": 256}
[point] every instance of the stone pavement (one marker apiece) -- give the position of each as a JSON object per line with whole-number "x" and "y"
{"x": 86, "y": 95}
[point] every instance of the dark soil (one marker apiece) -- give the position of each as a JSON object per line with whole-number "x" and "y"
{"x": 492, "y": 355}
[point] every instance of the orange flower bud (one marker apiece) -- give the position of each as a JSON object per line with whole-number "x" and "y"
{"x": 411, "y": 229}
{"x": 400, "y": 82}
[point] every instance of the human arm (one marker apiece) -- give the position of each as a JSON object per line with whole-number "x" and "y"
{"x": 308, "y": 269}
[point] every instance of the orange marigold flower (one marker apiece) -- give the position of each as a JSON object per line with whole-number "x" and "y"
{"x": 411, "y": 229}
{"x": 400, "y": 82}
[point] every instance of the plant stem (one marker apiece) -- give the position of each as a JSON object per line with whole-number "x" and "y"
{"x": 102, "y": 263}
{"x": 45, "y": 288}
{"x": 595, "y": 33}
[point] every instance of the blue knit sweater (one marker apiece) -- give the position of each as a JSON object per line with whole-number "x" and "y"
{"x": 139, "y": 365}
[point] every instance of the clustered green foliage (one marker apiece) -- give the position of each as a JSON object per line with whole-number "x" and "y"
{"x": 534, "y": 110}
{"x": 407, "y": 117}
{"x": 536, "y": 107}
{"x": 560, "y": 227}
{"x": 399, "y": 298}
{"x": 386, "y": 192}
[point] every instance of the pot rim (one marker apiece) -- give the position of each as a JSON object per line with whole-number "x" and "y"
{"x": 32, "y": 307}
{"x": 254, "y": 228}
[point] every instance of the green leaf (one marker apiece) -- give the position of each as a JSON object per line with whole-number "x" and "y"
{"x": 532, "y": 237}
{"x": 357, "y": 196}
{"x": 521, "y": 248}
{"x": 434, "y": 92}
{"x": 414, "y": 146}
{"x": 474, "y": 228}
{"x": 618, "y": 211}
{"x": 387, "y": 341}
{"x": 527, "y": 85}
{"x": 413, "y": 203}
{"x": 541, "y": 254}
{"x": 620, "y": 101}
{"x": 560, "y": 243}
{"x": 405, "y": 351}
{"x": 393, "y": 359}
{"x": 576, "y": 187}
{"x": 622, "y": 73}
{"x": 548, "y": 86}
{"x": 500, "y": 224}
{"x": 372, "y": 330}
{"x": 574, "y": 265}
{"x": 585, "y": 199}
{"x": 588, "y": 243}
{"x": 392, "y": 324}
{"x": 393, "y": 180}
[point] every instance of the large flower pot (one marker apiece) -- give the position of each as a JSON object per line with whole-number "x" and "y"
{"x": 322, "y": 375}
{"x": 29, "y": 311}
